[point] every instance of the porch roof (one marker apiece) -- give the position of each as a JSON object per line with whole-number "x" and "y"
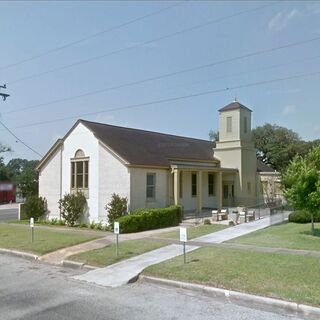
{"x": 201, "y": 167}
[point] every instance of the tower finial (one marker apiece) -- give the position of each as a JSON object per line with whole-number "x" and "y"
{"x": 235, "y": 99}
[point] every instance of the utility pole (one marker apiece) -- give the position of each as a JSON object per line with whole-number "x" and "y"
{"x": 4, "y": 95}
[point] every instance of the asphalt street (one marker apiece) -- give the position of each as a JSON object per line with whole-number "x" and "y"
{"x": 34, "y": 290}
{"x": 8, "y": 214}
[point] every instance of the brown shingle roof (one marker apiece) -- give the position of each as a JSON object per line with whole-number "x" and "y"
{"x": 140, "y": 147}
{"x": 262, "y": 167}
{"x": 233, "y": 106}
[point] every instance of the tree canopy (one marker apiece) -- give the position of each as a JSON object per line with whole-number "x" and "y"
{"x": 23, "y": 173}
{"x": 301, "y": 182}
{"x": 276, "y": 145}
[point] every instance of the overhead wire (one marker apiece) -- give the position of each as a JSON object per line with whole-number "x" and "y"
{"x": 97, "y": 34}
{"x": 140, "y": 44}
{"x": 160, "y": 101}
{"x": 166, "y": 75}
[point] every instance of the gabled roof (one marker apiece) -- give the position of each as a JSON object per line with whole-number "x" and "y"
{"x": 233, "y": 106}
{"x": 262, "y": 167}
{"x": 148, "y": 148}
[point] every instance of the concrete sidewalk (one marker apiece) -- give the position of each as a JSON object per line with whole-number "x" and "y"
{"x": 58, "y": 256}
{"x": 242, "y": 229}
{"x": 121, "y": 273}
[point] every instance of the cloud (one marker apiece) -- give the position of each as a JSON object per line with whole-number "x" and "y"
{"x": 282, "y": 19}
{"x": 289, "y": 109}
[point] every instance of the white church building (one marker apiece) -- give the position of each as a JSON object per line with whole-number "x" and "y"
{"x": 154, "y": 169}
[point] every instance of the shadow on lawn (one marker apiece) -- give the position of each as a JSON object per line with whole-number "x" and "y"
{"x": 309, "y": 233}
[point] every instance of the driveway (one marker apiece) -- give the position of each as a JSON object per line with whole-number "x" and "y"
{"x": 32, "y": 290}
{"x": 8, "y": 212}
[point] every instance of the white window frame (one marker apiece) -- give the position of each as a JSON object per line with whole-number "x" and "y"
{"x": 153, "y": 186}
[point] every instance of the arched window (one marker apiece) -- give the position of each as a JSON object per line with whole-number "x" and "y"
{"x": 79, "y": 154}
{"x": 79, "y": 171}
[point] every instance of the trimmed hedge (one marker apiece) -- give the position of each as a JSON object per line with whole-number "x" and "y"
{"x": 303, "y": 217}
{"x": 148, "y": 219}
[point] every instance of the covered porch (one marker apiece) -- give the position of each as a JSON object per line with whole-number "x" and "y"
{"x": 200, "y": 187}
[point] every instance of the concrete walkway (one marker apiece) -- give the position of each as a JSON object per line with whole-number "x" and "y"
{"x": 242, "y": 229}
{"x": 58, "y": 256}
{"x": 121, "y": 273}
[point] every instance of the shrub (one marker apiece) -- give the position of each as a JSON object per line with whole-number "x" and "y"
{"x": 83, "y": 225}
{"x": 54, "y": 221}
{"x": 206, "y": 221}
{"x": 72, "y": 207}
{"x": 301, "y": 216}
{"x": 35, "y": 207}
{"x": 98, "y": 226}
{"x": 92, "y": 224}
{"x": 148, "y": 219}
{"x": 116, "y": 208}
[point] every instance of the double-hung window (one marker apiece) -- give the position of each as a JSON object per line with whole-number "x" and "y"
{"x": 151, "y": 186}
{"x": 211, "y": 189}
{"x": 79, "y": 171}
{"x": 194, "y": 184}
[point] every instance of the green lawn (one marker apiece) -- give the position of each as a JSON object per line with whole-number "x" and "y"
{"x": 281, "y": 276}
{"x": 19, "y": 238}
{"x": 194, "y": 232}
{"x": 287, "y": 235}
{"x": 107, "y": 255}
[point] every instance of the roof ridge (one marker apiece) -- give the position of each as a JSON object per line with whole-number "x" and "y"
{"x": 143, "y": 130}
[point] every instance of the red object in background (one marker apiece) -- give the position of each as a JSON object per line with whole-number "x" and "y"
{"x": 7, "y": 192}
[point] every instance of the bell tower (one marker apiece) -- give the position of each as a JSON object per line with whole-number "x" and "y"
{"x": 235, "y": 149}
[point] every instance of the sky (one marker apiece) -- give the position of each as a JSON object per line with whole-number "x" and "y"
{"x": 49, "y": 55}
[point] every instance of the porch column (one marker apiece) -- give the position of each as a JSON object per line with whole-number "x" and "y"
{"x": 219, "y": 190}
{"x": 199, "y": 190}
{"x": 176, "y": 186}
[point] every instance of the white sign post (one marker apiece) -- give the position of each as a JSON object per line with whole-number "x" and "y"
{"x": 184, "y": 239}
{"x": 116, "y": 230}
{"x": 32, "y": 229}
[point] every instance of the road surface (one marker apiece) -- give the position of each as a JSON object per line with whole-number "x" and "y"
{"x": 8, "y": 212}
{"x": 33, "y": 290}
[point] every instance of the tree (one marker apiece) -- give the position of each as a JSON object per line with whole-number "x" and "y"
{"x": 28, "y": 179}
{"x": 301, "y": 181}
{"x": 4, "y": 174}
{"x": 275, "y": 145}
{"x": 214, "y": 136}
{"x": 116, "y": 208}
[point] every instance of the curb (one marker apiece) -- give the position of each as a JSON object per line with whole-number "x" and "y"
{"x": 77, "y": 265}
{"x": 240, "y": 298}
{"x": 20, "y": 254}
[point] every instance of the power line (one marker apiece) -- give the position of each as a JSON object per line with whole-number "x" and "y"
{"x": 72, "y": 43}
{"x": 166, "y": 75}
{"x": 140, "y": 44}
{"x": 133, "y": 106}
{"x": 36, "y": 152}
{"x": 252, "y": 70}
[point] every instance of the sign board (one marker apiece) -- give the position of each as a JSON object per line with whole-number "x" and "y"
{"x": 116, "y": 228}
{"x": 183, "y": 235}
{"x": 31, "y": 222}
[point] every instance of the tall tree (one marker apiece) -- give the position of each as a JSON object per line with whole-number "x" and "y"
{"x": 301, "y": 182}
{"x": 277, "y": 145}
{"x": 4, "y": 174}
{"x": 28, "y": 179}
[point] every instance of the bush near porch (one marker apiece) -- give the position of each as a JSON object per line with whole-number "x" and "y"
{"x": 148, "y": 219}
{"x": 301, "y": 216}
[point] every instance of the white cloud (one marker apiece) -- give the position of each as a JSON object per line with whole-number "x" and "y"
{"x": 282, "y": 19}
{"x": 289, "y": 109}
